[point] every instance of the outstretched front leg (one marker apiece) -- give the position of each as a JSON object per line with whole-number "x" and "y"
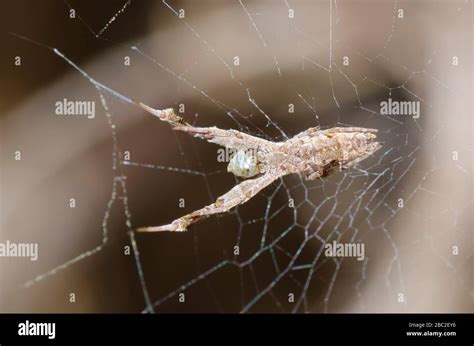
{"x": 348, "y": 130}
{"x": 231, "y": 139}
{"x": 167, "y": 115}
{"x": 239, "y": 194}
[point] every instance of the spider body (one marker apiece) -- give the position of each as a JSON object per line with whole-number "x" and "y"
{"x": 319, "y": 153}
{"x": 245, "y": 164}
{"x": 313, "y": 153}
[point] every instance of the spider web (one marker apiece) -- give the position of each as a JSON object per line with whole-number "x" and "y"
{"x": 268, "y": 255}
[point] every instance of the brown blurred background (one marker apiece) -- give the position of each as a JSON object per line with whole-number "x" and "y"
{"x": 190, "y": 61}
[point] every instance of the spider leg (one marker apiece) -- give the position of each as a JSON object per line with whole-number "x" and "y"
{"x": 239, "y": 194}
{"x": 348, "y": 130}
{"x": 167, "y": 115}
{"x": 229, "y": 138}
{"x": 232, "y": 139}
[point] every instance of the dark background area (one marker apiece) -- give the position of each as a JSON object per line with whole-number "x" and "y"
{"x": 108, "y": 280}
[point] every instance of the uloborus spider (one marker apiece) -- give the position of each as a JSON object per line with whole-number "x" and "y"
{"x": 313, "y": 153}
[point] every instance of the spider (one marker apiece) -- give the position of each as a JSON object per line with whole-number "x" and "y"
{"x": 313, "y": 153}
